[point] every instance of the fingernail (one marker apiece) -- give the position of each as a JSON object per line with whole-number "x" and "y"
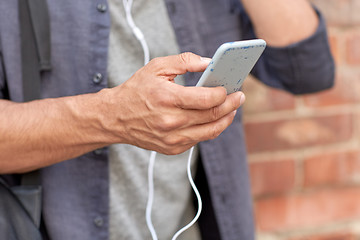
{"x": 234, "y": 112}
{"x": 242, "y": 99}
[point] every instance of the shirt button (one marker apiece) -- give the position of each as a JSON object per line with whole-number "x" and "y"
{"x": 97, "y": 78}
{"x": 98, "y": 151}
{"x": 98, "y": 221}
{"x": 101, "y": 8}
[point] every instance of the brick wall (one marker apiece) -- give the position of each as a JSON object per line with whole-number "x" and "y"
{"x": 304, "y": 152}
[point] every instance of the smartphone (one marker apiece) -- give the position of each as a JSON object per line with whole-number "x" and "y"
{"x": 231, "y": 64}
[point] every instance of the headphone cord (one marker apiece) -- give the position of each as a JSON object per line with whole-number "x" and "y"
{"x": 140, "y": 37}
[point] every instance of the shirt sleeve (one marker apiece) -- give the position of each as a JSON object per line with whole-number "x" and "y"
{"x": 303, "y": 67}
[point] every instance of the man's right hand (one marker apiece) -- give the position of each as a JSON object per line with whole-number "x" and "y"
{"x": 151, "y": 111}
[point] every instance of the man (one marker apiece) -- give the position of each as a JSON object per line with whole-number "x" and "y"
{"x": 101, "y": 192}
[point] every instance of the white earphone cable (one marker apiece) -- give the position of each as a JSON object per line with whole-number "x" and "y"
{"x": 177, "y": 234}
{"x": 137, "y": 32}
{"x": 151, "y": 195}
{"x": 140, "y": 36}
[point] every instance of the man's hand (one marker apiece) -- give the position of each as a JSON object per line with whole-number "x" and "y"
{"x": 151, "y": 111}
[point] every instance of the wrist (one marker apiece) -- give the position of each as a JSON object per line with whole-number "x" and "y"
{"x": 90, "y": 118}
{"x": 102, "y": 116}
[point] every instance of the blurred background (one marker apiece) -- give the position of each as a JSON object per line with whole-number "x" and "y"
{"x": 304, "y": 152}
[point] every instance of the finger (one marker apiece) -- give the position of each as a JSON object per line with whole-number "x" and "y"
{"x": 182, "y": 139}
{"x": 207, "y": 131}
{"x": 195, "y": 117}
{"x": 198, "y": 97}
{"x": 180, "y": 64}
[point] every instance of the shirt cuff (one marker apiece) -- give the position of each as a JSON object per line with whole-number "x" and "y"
{"x": 302, "y": 67}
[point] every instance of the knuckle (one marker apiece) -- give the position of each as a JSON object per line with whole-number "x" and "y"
{"x": 151, "y": 63}
{"x": 178, "y": 100}
{"x": 155, "y": 61}
{"x": 215, "y": 113}
{"x": 185, "y": 57}
{"x": 156, "y": 64}
{"x": 166, "y": 123}
{"x": 173, "y": 150}
{"x": 204, "y": 100}
{"x": 172, "y": 140}
{"x": 212, "y": 97}
{"x": 235, "y": 103}
{"x": 161, "y": 99}
{"x": 178, "y": 143}
{"x": 215, "y": 131}
{"x": 222, "y": 95}
{"x": 224, "y": 92}
{"x": 164, "y": 98}
{"x": 177, "y": 150}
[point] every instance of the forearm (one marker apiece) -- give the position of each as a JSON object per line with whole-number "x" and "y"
{"x": 40, "y": 133}
{"x": 160, "y": 115}
{"x": 282, "y": 22}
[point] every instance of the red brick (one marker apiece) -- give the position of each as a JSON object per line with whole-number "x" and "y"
{"x": 290, "y": 134}
{"x": 333, "y": 40}
{"x": 332, "y": 236}
{"x": 300, "y": 211}
{"x": 260, "y": 98}
{"x": 345, "y": 91}
{"x": 272, "y": 176}
{"x": 353, "y": 49}
{"x": 337, "y": 12}
{"x": 355, "y": 8}
{"x": 332, "y": 168}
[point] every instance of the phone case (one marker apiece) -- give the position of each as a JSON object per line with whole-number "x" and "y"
{"x": 231, "y": 64}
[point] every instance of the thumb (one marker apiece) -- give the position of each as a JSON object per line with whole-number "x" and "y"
{"x": 183, "y": 63}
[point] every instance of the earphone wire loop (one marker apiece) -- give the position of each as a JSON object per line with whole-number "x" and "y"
{"x": 196, "y": 191}
{"x": 140, "y": 37}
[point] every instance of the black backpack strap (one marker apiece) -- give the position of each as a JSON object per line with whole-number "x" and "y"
{"x": 41, "y": 24}
{"x": 35, "y": 55}
{"x": 35, "y": 45}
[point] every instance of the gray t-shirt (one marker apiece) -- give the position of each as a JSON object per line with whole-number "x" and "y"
{"x": 172, "y": 207}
